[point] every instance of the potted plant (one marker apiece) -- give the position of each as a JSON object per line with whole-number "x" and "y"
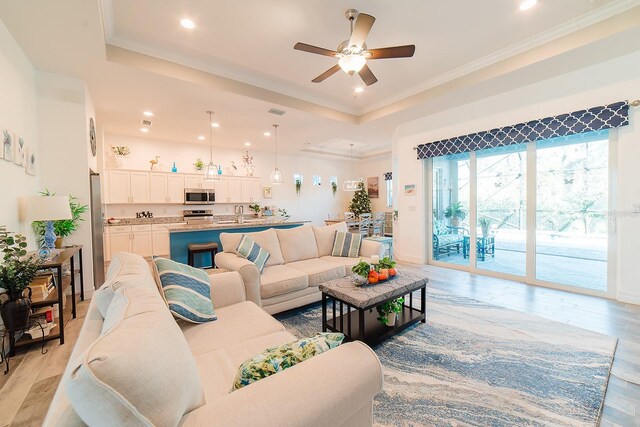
{"x": 456, "y": 213}
{"x": 334, "y": 187}
{"x": 198, "y": 164}
{"x": 16, "y": 272}
{"x": 388, "y": 312}
{"x": 63, "y": 227}
{"x": 284, "y": 214}
{"x": 484, "y": 225}
{"x": 256, "y": 209}
{"x": 298, "y": 186}
{"x": 120, "y": 152}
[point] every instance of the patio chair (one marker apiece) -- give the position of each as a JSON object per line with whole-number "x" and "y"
{"x": 451, "y": 238}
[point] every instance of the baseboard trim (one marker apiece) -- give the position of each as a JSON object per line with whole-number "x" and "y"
{"x": 628, "y": 298}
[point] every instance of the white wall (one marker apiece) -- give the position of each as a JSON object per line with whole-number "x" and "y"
{"x": 313, "y": 203}
{"x": 63, "y": 109}
{"x": 373, "y": 167}
{"x": 18, "y": 114}
{"x": 600, "y": 84}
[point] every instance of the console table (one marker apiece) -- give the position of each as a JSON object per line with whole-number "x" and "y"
{"x": 72, "y": 256}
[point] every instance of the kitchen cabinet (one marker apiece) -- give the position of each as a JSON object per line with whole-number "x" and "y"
{"x": 128, "y": 187}
{"x": 166, "y": 188}
{"x": 235, "y": 190}
{"x": 139, "y": 187}
{"x": 251, "y": 191}
{"x": 141, "y": 240}
{"x": 145, "y": 240}
{"x": 161, "y": 238}
{"x": 193, "y": 181}
{"x": 118, "y": 185}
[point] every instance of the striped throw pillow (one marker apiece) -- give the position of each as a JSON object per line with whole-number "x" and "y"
{"x": 346, "y": 244}
{"x": 252, "y": 251}
{"x": 187, "y": 291}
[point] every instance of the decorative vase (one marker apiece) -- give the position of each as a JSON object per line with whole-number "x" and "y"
{"x": 15, "y": 311}
{"x": 391, "y": 318}
{"x": 455, "y": 222}
{"x": 58, "y": 243}
{"x": 485, "y": 231}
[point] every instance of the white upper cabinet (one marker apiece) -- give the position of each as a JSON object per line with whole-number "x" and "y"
{"x": 139, "y": 187}
{"x": 251, "y": 191}
{"x": 118, "y": 185}
{"x": 158, "y": 188}
{"x": 235, "y": 190}
{"x": 193, "y": 181}
{"x": 175, "y": 188}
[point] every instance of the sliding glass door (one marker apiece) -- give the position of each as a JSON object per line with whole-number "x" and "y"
{"x": 502, "y": 210}
{"x": 536, "y": 211}
{"x": 571, "y": 211}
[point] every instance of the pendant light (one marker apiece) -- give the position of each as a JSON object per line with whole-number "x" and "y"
{"x": 211, "y": 172}
{"x": 352, "y": 184}
{"x": 276, "y": 175}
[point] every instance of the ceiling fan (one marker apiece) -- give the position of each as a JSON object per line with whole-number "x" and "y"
{"x": 353, "y": 53}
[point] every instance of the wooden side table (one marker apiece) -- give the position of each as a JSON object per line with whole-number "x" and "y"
{"x": 72, "y": 256}
{"x": 387, "y": 241}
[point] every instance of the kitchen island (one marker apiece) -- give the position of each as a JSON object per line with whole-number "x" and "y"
{"x": 181, "y": 236}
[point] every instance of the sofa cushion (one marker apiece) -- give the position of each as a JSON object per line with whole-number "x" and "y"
{"x": 325, "y": 236}
{"x": 297, "y": 243}
{"x": 218, "y": 368}
{"x": 252, "y": 251}
{"x": 187, "y": 291}
{"x": 347, "y": 262}
{"x": 268, "y": 239}
{"x": 280, "y": 279}
{"x": 236, "y": 323}
{"x": 277, "y": 359}
{"x": 140, "y": 371}
{"x": 346, "y": 244}
{"x": 319, "y": 270}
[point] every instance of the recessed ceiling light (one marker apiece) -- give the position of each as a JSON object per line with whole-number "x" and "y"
{"x": 528, "y": 4}
{"x": 247, "y": 144}
{"x": 215, "y": 125}
{"x": 201, "y": 138}
{"x": 359, "y": 89}
{"x": 148, "y": 113}
{"x": 187, "y": 23}
{"x": 267, "y": 134}
{"x": 145, "y": 130}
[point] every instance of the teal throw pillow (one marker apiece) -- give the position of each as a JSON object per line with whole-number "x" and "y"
{"x": 252, "y": 251}
{"x": 276, "y": 359}
{"x": 346, "y": 244}
{"x": 187, "y": 291}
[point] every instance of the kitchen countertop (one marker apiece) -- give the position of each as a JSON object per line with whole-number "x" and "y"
{"x": 217, "y": 226}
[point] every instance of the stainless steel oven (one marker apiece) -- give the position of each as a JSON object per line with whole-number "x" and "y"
{"x": 199, "y": 196}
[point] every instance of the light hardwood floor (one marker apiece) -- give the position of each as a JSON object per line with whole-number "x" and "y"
{"x": 26, "y": 391}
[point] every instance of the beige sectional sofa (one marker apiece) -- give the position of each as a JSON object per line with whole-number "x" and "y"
{"x": 300, "y": 260}
{"x": 136, "y": 365}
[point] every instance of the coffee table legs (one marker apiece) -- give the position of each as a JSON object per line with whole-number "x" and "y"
{"x": 324, "y": 312}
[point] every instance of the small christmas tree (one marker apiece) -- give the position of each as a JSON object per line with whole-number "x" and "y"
{"x": 360, "y": 203}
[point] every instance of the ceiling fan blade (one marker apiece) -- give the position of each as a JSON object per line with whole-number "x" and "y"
{"x": 314, "y": 49}
{"x": 367, "y": 76}
{"x": 361, "y": 29}
{"x": 330, "y": 72}
{"x": 392, "y": 52}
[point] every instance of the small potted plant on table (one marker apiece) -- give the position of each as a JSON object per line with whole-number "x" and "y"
{"x": 456, "y": 213}
{"x": 388, "y": 312}
{"x": 63, "y": 227}
{"x": 256, "y": 209}
{"x": 16, "y": 272}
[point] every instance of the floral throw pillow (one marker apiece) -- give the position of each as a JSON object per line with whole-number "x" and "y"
{"x": 276, "y": 359}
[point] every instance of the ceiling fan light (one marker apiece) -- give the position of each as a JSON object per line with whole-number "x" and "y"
{"x": 211, "y": 173}
{"x": 352, "y": 63}
{"x": 276, "y": 177}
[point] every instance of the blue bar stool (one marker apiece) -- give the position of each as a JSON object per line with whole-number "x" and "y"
{"x": 199, "y": 248}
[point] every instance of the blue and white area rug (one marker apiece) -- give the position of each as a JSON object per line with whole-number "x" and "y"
{"x": 477, "y": 364}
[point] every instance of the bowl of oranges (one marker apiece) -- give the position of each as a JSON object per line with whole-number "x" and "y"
{"x": 372, "y": 274}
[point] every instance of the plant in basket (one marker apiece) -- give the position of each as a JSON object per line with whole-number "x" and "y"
{"x": 16, "y": 272}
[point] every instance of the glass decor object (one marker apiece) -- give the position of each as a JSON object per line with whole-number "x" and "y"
{"x": 212, "y": 172}
{"x": 276, "y": 175}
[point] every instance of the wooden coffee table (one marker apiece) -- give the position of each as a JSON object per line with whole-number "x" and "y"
{"x": 353, "y": 308}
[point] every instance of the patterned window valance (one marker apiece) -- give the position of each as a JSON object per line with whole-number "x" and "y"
{"x": 593, "y": 119}
{"x": 387, "y": 176}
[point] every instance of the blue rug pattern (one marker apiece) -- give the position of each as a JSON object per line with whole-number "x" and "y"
{"x": 477, "y": 364}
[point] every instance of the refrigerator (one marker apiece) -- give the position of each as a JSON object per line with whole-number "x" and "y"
{"x": 97, "y": 229}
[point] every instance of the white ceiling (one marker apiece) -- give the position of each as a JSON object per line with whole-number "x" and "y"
{"x": 246, "y": 49}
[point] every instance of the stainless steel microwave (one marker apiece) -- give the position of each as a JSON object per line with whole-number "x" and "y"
{"x": 199, "y": 196}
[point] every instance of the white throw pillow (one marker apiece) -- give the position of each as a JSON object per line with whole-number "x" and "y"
{"x": 325, "y": 236}
{"x": 297, "y": 243}
{"x": 140, "y": 371}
